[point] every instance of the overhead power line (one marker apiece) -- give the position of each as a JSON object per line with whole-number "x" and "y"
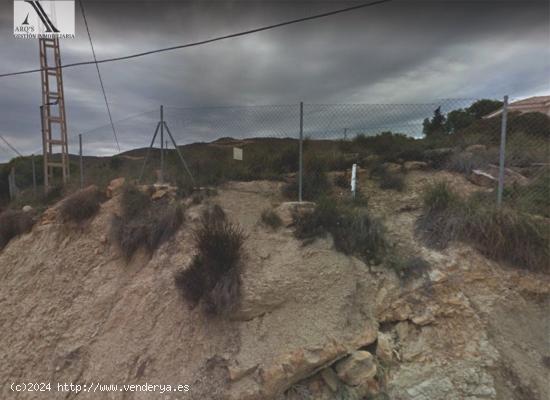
{"x": 10, "y": 146}
{"x": 99, "y": 75}
{"x": 216, "y": 39}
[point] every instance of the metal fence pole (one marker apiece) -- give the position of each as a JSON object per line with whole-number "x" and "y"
{"x": 161, "y": 144}
{"x": 502, "y": 151}
{"x": 81, "y": 161}
{"x": 33, "y": 176}
{"x": 301, "y": 153}
{"x": 11, "y": 184}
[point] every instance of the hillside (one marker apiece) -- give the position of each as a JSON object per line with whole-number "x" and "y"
{"x": 466, "y": 327}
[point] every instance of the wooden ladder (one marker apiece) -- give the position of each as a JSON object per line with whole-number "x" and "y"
{"x": 53, "y": 118}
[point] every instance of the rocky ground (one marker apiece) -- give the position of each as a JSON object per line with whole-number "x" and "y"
{"x": 313, "y": 323}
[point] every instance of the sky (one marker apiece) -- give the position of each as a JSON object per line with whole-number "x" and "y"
{"x": 386, "y": 66}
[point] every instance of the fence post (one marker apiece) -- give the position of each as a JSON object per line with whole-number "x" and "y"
{"x": 353, "y": 180}
{"x": 33, "y": 176}
{"x": 161, "y": 144}
{"x": 301, "y": 155}
{"x": 81, "y": 161}
{"x": 502, "y": 151}
{"x": 11, "y": 184}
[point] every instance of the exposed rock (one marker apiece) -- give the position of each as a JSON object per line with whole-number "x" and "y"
{"x": 402, "y": 329}
{"x": 511, "y": 177}
{"x": 115, "y": 186}
{"x": 489, "y": 177}
{"x": 27, "y": 208}
{"x": 481, "y": 178}
{"x": 425, "y": 318}
{"x": 49, "y": 216}
{"x": 160, "y": 191}
{"x": 330, "y": 378}
{"x": 415, "y": 165}
{"x": 288, "y": 210}
{"x": 357, "y": 368}
{"x": 476, "y": 148}
{"x": 384, "y": 349}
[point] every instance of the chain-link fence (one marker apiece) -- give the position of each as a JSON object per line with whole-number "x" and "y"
{"x": 313, "y": 147}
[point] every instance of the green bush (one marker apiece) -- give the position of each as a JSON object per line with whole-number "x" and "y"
{"x": 392, "y": 147}
{"x": 317, "y": 223}
{"x": 214, "y": 276}
{"x": 12, "y": 224}
{"x": 81, "y": 205}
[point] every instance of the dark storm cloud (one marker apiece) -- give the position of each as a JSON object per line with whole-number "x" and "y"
{"x": 400, "y": 52}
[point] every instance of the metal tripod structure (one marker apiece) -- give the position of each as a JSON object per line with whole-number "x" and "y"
{"x": 161, "y": 126}
{"x": 52, "y": 111}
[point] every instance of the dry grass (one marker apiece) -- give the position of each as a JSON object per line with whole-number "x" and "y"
{"x": 143, "y": 223}
{"x": 81, "y": 205}
{"x": 503, "y": 234}
{"x": 12, "y": 224}
{"x": 353, "y": 229}
{"x": 214, "y": 276}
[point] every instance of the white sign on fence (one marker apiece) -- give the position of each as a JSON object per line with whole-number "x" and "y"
{"x": 237, "y": 153}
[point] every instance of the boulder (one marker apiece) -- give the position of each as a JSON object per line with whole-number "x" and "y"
{"x": 488, "y": 177}
{"x": 330, "y": 378}
{"x": 288, "y": 210}
{"x": 415, "y": 165}
{"x": 481, "y": 178}
{"x": 357, "y": 368}
{"x": 511, "y": 177}
{"x": 27, "y": 208}
{"x": 115, "y": 186}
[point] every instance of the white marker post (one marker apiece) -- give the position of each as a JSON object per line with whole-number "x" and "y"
{"x": 353, "y": 179}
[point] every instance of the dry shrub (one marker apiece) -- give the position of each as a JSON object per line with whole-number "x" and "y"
{"x": 342, "y": 181}
{"x": 214, "y": 276}
{"x": 409, "y": 268}
{"x": 12, "y": 224}
{"x": 393, "y": 181}
{"x": 502, "y": 234}
{"x": 271, "y": 219}
{"x": 143, "y": 223}
{"x": 387, "y": 179}
{"x": 353, "y": 229}
{"x": 81, "y": 205}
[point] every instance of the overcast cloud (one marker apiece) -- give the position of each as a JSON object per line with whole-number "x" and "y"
{"x": 400, "y": 52}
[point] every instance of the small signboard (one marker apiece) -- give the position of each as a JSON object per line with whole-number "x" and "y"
{"x": 237, "y": 154}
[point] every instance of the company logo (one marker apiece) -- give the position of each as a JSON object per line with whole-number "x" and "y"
{"x": 43, "y": 19}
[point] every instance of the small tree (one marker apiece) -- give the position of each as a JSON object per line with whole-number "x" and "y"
{"x": 435, "y": 126}
{"x": 457, "y": 120}
{"x": 482, "y": 107}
